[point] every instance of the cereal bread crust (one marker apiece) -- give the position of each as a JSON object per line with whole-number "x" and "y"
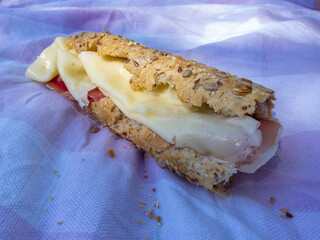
{"x": 196, "y": 83}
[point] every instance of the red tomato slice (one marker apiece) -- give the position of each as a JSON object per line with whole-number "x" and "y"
{"x": 95, "y": 95}
{"x": 57, "y": 84}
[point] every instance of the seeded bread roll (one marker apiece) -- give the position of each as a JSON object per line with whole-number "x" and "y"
{"x": 196, "y": 83}
{"x": 186, "y": 162}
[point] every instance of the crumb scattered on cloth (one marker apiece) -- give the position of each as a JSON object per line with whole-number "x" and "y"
{"x": 98, "y": 192}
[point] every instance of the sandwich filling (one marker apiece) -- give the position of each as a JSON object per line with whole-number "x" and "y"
{"x": 246, "y": 142}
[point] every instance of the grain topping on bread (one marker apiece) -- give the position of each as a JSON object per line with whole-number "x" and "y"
{"x": 196, "y": 83}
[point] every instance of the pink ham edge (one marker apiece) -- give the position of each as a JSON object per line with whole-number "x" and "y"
{"x": 58, "y": 85}
{"x": 271, "y": 130}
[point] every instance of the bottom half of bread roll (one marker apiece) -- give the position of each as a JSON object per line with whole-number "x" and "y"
{"x": 185, "y": 161}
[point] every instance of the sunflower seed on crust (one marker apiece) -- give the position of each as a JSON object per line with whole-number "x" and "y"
{"x": 210, "y": 86}
{"x": 187, "y": 73}
{"x": 241, "y": 90}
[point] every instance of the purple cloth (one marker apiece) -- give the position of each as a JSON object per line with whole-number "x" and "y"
{"x": 275, "y": 43}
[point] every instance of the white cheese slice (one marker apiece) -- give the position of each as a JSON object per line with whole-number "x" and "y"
{"x": 44, "y": 68}
{"x": 74, "y": 76}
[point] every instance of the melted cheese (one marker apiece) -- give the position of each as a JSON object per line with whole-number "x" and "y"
{"x": 222, "y": 138}
{"x": 44, "y": 68}
{"x": 74, "y": 76}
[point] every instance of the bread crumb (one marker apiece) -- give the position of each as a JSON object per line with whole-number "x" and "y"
{"x": 272, "y": 200}
{"x": 145, "y": 170}
{"x": 43, "y": 210}
{"x": 82, "y": 159}
{"x": 139, "y": 222}
{"x": 283, "y": 210}
{"x": 50, "y": 197}
{"x": 151, "y": 215}
{"x": 145, "y": 176}
{"x": 58, "y": 175}
{"x": 142, "y": 204}
{"x": 289, "y": 215}
{"x": 55, "y": 171}
{"x": 59, "y": 223}
{"x": 111, "y": 153}
{"x": 153, "y": 189}
{"x": 95, "y": 129}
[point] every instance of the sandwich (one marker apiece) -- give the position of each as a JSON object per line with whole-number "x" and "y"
{"x": 202, "y": 123}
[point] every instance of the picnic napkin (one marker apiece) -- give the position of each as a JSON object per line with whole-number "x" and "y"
{"x": 57, "y": 179}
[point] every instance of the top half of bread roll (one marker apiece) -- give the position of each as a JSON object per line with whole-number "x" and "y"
{"x": 196, "y": 84}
